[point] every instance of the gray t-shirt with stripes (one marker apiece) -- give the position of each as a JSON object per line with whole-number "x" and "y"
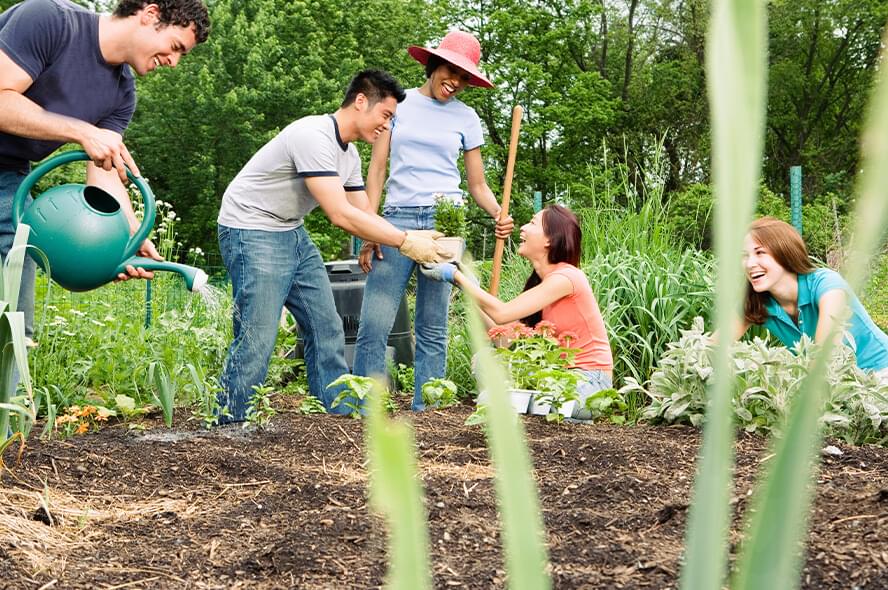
{"x": 269, "y": 193}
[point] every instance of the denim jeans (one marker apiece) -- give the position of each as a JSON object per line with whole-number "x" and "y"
{"x": 9, "y": 183}
{"x": 383, "y": 292}
{"x": 270, "y": 270}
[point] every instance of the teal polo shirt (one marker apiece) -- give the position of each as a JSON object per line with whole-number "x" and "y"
{"x": 869, "y": 342}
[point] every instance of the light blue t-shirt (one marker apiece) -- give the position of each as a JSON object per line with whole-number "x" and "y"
{"x": 862, "y": 334}
{"x": 427, "y": 138}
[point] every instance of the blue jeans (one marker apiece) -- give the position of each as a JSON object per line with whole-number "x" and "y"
{"x": 9, "y": 183}
{"x": 271, "y": 270}
{"x": 385, "y": 288}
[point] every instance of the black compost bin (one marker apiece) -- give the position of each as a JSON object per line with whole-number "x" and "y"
{"x": 348, "y": 280}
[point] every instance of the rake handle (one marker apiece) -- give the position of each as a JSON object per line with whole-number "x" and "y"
{"x": 517, "y": 113}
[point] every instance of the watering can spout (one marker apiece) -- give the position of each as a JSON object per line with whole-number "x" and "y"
{"x": 195, "y": 278}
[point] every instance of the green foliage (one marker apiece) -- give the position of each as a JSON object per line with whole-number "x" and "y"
{"x": 874, "y": 296}
{"x": 450, "y": 216}
{"x": 311, "y": 405}
{"x": 765, "y": 381}
{"x": 609, "y": 404}
{"x": 439, "y": 393}
{"x": 403, "y": 377}
{"x": 165, "y": 391}
{"x": 690, "y": 214}
{"x": 259, "y": 408}
{"x": 355, "y": 390}
{"x": 690, "y": 218}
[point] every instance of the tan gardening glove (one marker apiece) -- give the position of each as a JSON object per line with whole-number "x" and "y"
{"x": 420, "y": 245}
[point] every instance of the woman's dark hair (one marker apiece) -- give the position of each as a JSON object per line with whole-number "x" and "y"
{"x": 562, "y": 229}
{"x": 376, "y": 85}
{"x": 179, "y": 13}
{"x": 787, "y": 248}
{"x": 432, "y": 64}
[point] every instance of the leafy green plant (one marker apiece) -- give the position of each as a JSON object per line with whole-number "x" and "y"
{"x": 355, "y": 390}
{"x": 203, "y": 392}
{"x": 538, "y": 360}
{"x": 402, "y": 377}
{"x": 439, "y": 393}
{"x": 450, "y": 216}
{"x": 766, "y": 381}
{"x": 259, "y": 408}
{"x": 311, "y": 405}
{"x": 609, "y": 404}
{"x": 165, "y": 392}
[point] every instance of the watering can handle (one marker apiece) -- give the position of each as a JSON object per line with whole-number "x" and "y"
{"x": 18, "y": 202}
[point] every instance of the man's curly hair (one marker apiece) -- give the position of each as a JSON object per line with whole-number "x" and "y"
{"x": 181, "y": 13}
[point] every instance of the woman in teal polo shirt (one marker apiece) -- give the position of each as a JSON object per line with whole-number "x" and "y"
{"x": 790, "y": 297}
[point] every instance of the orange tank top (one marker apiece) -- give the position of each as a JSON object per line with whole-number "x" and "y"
{"x": 579, "y": 313}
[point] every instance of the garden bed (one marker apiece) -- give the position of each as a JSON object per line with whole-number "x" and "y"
{"x": 286, "y": 507}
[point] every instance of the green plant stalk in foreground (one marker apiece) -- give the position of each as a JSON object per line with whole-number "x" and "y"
{"x": 165, "y": 392}
{"x": 772, "y": 557}
{"x": 736, "y": 67}
{"x": 13, "y": 351}
{"x": 396, "y": 493}
{"x": 523, "y": 533}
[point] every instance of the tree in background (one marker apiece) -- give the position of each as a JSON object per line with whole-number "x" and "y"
{"x": 607, "y": 86}
{"x": 266, "y": 64}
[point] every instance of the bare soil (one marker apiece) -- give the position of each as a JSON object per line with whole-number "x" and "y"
{"x": 286, "y": 507}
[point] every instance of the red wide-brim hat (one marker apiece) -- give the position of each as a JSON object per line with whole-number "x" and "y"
{"x": 460, "y": 49}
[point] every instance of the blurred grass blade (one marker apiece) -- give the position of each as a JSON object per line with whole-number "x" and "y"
{"x": 12, "y": 266}
{"x": 736, "y": 67}
{"x": 395, "y": 492}
{"x": 523, "y": 535}
{"x": 772, "y": 556}
{"x": 13, "y": 353}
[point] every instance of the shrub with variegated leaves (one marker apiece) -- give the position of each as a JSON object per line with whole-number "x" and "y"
{"x": 766, "y": 379}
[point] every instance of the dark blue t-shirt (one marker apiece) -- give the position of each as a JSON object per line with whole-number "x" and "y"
{"x": 57, "y": 43}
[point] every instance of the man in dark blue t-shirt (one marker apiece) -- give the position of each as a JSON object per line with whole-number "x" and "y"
{"x": 65, "y": 76}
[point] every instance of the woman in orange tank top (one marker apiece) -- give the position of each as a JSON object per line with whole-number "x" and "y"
{"x": 556, "y": 291}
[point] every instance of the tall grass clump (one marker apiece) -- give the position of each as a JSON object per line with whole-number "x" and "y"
{"x": 646, "y": 300}
{"x": 624, "y": 213}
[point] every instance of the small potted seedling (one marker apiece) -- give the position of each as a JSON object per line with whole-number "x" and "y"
{"x": 450, "y": 220}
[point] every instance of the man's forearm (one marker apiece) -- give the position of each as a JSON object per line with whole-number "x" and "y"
{"x": 22, "y": 117}
{"x": 369, "y": 227}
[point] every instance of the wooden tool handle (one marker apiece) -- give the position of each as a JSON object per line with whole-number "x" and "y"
{"x": 517, "y": 113}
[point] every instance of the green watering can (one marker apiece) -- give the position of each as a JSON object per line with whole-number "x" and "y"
{"x": 84, "y": 234}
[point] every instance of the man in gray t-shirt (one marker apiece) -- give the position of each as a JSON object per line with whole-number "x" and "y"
{"x": 272, "y": 260}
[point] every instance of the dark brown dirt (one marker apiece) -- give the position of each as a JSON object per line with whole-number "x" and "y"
{"x": 286, "y": 507}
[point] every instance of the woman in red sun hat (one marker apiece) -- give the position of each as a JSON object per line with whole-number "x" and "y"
{"x": 428, "y": 133}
